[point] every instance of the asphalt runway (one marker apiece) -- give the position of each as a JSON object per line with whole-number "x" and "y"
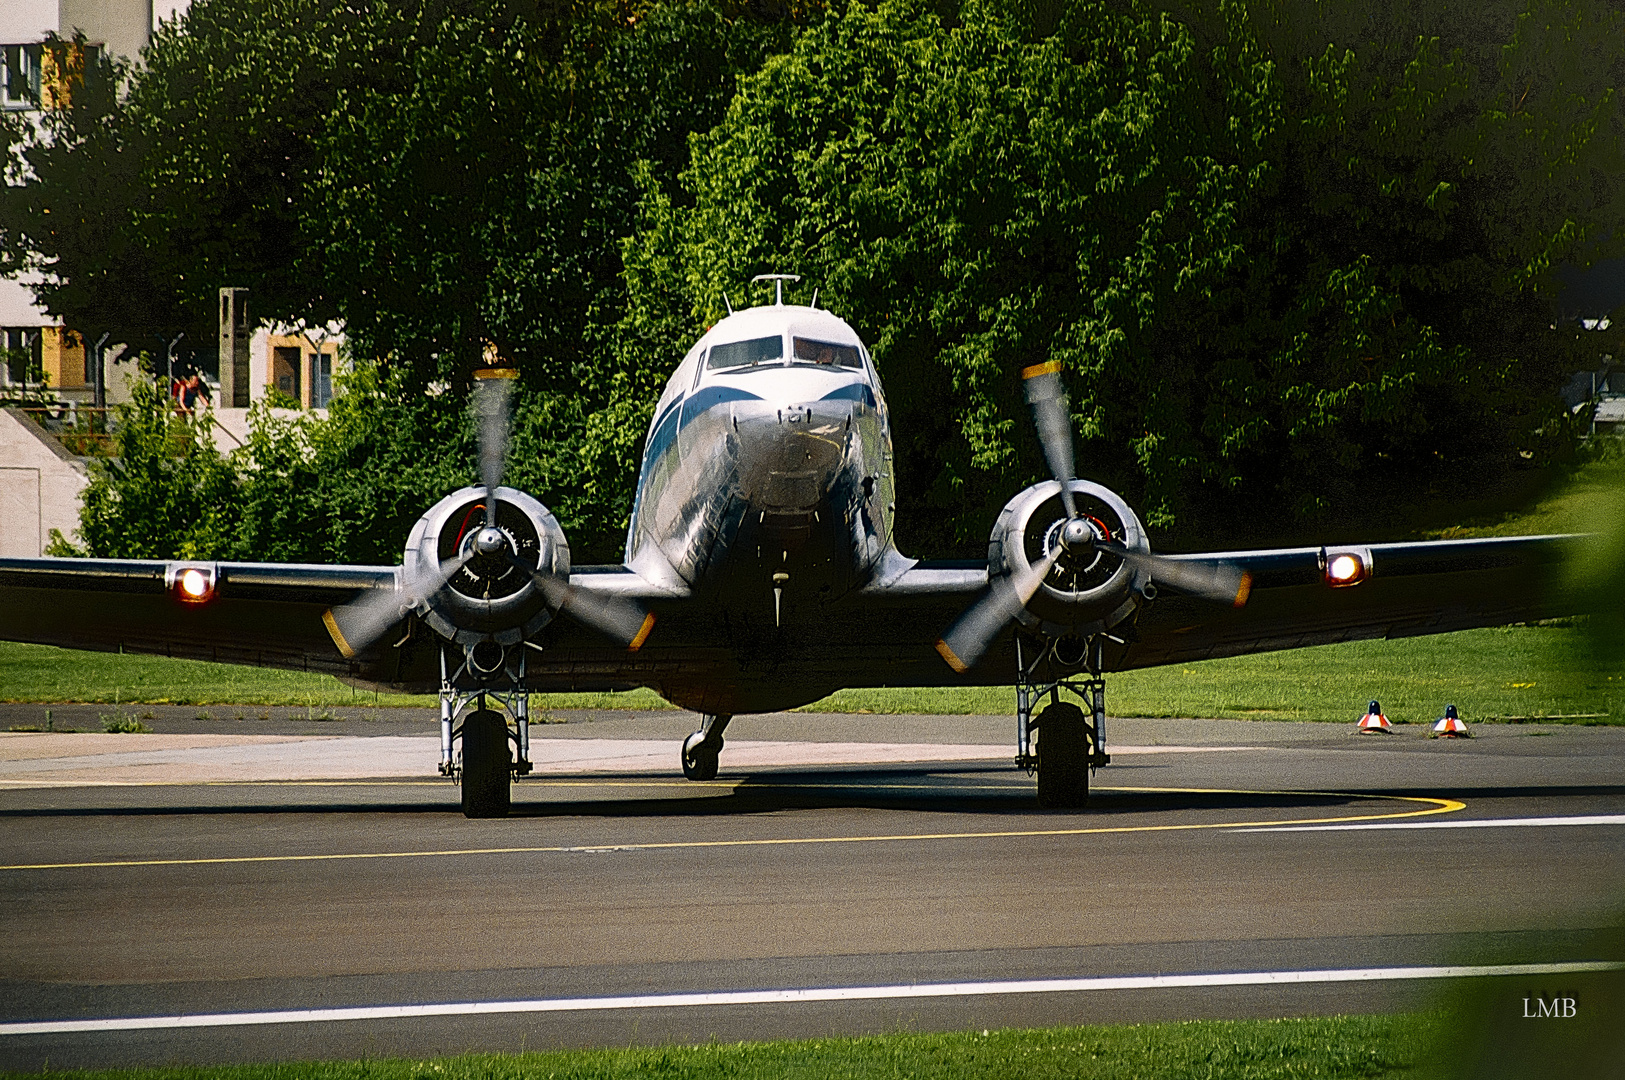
{"x": 1209, "y": 849}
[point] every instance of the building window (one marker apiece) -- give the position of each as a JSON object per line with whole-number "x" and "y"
{"x": 285, "y": 369}
{"x": 321, "y": 366}
{"x": 23, "y": 357}
{"x": 19, "y": 76}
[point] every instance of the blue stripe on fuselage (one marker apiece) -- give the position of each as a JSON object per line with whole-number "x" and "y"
{"x": 858, "y": 391}
{"x": 703, "y": 401}
{"x": 676, "y": 403}
{"x": 662, "y": 435}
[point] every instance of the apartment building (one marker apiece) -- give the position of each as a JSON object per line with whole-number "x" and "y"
{"x": 36, "y": 350}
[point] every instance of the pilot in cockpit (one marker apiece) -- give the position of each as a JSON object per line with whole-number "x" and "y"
{"x": 827, "y": 353}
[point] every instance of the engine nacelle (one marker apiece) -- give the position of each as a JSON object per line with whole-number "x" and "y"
{"x": 489, "y": 598}
{"x": 1083, "y": 593}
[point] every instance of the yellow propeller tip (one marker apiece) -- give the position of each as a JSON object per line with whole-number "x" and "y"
{"x": 337, "y": 634}
{"x": 643, "y": 633}
{"x": 953, "y": 661}
{"x": 1244, "y": 590}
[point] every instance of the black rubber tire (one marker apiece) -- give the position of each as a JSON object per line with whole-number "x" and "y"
{"x": 1063, "y": 757}
{"x": 699, "y": 760}
{"x": 487, "y": 765}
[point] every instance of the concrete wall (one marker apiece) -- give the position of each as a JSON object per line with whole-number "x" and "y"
{"x": 231, "y": 425}
{"x": 40, "y": 487}
{"x": 17, "y": 307}
{"x": 123, "y": 26}
{"x": 26, "y": 21}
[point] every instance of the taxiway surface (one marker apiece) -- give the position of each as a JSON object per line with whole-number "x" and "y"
{"x": 151, "y": 883}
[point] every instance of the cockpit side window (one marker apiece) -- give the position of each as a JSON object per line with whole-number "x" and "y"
{"x": 756, "y": 351}
{"x": 827, "y": 353}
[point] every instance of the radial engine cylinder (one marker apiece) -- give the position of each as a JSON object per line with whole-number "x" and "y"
{"x": 495, "y": 596}
{"x": 1089, "y": 589}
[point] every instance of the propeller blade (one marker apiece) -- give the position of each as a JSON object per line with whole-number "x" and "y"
{"x": 1052, "y": 413}
{"x": 1211, "y": 579}
{"x": 965, "y": 642}
{"x": 356, "y": 625}
{"x": 612, "y": 616}
{"x": 493, "y": 394}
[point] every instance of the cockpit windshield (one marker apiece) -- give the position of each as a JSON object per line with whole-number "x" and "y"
{"x": 756, "y": 351}
{"x": 828, "y": 353}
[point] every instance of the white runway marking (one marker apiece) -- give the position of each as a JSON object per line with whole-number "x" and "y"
{"x": 1481, "y": 823}
{"x": 830, "y": 993}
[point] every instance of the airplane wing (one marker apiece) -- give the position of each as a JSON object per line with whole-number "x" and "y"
{"x": 1409, "y": 590}
{"x": 258, "y": 614}
{"x": 270, "y": 615}
{"x": 1405, "y": 590}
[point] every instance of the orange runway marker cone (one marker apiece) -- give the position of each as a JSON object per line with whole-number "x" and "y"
{"x": 1373, "y": 722}
{"x": 1449, "y": 726}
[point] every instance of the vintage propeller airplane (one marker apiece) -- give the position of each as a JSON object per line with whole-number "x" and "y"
{"x": 760, "y": 574}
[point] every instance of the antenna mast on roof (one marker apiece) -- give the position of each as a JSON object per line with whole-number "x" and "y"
{"x": 778, "y": 281}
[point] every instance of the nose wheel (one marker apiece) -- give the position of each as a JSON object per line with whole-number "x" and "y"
{"x": 1071, "y": 740}
{"x": 703, "y": 749}
{"x": 487, "y": 765}
{"x": 1063, "y": 756}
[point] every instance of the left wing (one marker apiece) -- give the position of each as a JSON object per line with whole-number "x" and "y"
{"x": 260, "y": 614}
{"x": 1406, "y": 590}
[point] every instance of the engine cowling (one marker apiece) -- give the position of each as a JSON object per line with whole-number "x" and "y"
{"x": 1089, "y": 589}
{"x": 489, "y": 598}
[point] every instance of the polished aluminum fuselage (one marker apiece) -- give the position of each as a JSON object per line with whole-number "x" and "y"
{"x": 769, "y": 485}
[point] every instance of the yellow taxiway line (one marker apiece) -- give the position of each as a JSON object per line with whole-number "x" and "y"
{"x": 1431, "y": 806}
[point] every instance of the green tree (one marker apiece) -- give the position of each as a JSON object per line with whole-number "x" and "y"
{"x": 482, "y": 207}
{"x": 167, "y": 492}
{"x": 974, "y": 199}
{"x": 1289, "y": 254}
{"x": 73, "y": 190}
{"x": 1391, "y": 337}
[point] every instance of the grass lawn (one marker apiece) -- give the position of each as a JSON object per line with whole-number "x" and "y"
{"x": 1367, "y": 1047}
{"x": 45, "y": 674}
{"x": 1512, "y": 672}
{"x": 1523, "y": 671}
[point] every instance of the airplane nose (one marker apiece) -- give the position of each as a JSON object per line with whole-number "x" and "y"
{"x": 791, "y": 454}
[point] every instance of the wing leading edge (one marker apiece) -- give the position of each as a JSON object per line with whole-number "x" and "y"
{"x": 1408, "y": 589}
{"x": 259, "y": 614}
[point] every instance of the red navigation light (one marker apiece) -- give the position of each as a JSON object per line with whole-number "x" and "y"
{"x": 192, "y": 584}
{"x": 1345, "y": 568}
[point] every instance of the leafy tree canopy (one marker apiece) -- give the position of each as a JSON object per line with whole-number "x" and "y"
{"x": 1295, "y": 256}
{"x": 1288, "y": 253}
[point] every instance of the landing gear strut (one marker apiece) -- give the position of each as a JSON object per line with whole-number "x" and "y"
{"x": 702, "y": 749}
{"x": 1071, "y": 743}
{"x": 492, "y": 752}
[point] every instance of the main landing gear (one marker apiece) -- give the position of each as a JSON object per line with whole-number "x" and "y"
{"x": 1071, "y": 743}
{"x": 492, "y": 752}
{"x": 702, "y": 749}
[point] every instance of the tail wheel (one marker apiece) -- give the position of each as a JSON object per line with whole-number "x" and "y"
{"x": 487, "y": 765}
{"x": 700, "y": 759}
{"x": 1063, "y": 756}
